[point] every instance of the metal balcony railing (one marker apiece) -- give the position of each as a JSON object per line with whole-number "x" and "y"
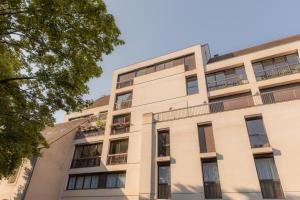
{"x": 117, "y": 159}
{"x": 123, "y": 84}
{"x": 277, "y": 71}
{"x": 230, "y": 104}
{"x": 86, "y": 162}
{"x": 122, "y": 105}
{"x": 89, "y": 133}
{"x": 271, "y": 189}
{"x": 164, "y": 191}
{"x": 229, "y": 82}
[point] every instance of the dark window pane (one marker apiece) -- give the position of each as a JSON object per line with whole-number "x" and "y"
{"x": 255, "y": 126}
{"x": 163, "y": 143}
{"x": 94, "y": 181}
{"x": 192, "y": 85}
{"x": 71, "y": 183}
{"x": 164, "y": 181}
{"x": 119, "y": 146}
{"x": 206, "y": 138}
{"x": 212, "y": 188}
{"x": 115, "y": 181}
{"x": 189, "y": 63}
{"x": 87, "y": 182}
{"x": 126, "y": 77}
{"x": 292, "y": 59}
{"x": 79, "y": 182}
{"x": 179, "y": 61}
{"x": 169, "y": 64}
{"x": 160, "y": 67}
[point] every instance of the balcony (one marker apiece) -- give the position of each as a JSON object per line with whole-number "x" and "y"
{"x": 122, "y": 105}
{"x": 117, "y": 159}
{"x": 89, "y": 132}
{"x": 86, "y": 162}
{"x": 123, "y": 84}
{"x": 277, "y": 72}
{"x": 230, "y": 104}
{"x": 229, "y": 82}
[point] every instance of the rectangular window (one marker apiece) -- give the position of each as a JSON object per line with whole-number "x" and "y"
{"x": 164, "y": 181}
{"x": 257, "y": 133}
{"x": 189, "y": 63}
{"x": 87, "y": 155}
{"x": 163, "y": 143}
{"x": 211, "y": 180}
{"x": 206, "y": 138}
{"x": 125, "y": 80}
{"x": 97, "y": 181}
{"x": 120, "y": 124}
{"x": 123, "y": 101}
{"x": 268, "y": 177}
{"x": 192, "y": 85}
{"x": 277, "y": 66}
{"x": 226, "y": 78}
{"x": 118, "y": 152}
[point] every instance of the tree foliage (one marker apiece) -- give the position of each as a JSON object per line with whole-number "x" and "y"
{"x": 48, "y": 52}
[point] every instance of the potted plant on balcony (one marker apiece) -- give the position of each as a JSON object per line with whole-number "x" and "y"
{"x": 101, "y": 123}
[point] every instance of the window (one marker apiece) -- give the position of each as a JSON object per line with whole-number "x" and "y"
{"x": 212, "y": 187}
{"x": 268, "y": 177}
{"x": 123, "y": 101}
{"x": 164, "y": 181}
{"x": 189, "y": 63}
{"x": 206, "y": 138}
{"x": 120, "y": 124}
{"x": 96, "y": 181}
{"x": 118, "y": 152}
{"x": 226, "y": 78}
{"x": 163, "y": 143}
{"x": 256, "y": 132}
{"x": 87, "y": 155}
{"x": 125, "y": 80}
{"x": 277, "y": 66}
{"x": 192, "y": 85}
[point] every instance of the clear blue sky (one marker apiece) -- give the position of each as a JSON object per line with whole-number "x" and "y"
{"x": 154, "y": 27}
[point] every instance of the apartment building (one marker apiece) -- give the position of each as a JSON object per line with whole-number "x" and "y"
{"x": 185, "y": 125}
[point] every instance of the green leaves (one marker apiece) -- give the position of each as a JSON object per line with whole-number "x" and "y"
{"x": 48, "y": 52}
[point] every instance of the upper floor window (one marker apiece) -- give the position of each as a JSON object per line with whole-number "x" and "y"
{"x": 118, "y": 152}
{"x": 192, "y": 85}
{"x": 125, "y": 80}
{"x": 256, "y": 132}
{"x": 96, "y": 181}
{"x": 206, "y": 138}
{"x": 164, "y": 181}
{"x": 226, "y": 78}
{"x": 278, "y": 66}
{"x": 120, "y": 124}
{"x": 268, "y": 177}
{"x": 123, "y": 101}
{"x": 87, "y": 155}
{"x": 163, "y": 143}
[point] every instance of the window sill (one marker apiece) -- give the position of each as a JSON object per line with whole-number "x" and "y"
{"x": 208, "y": 155}
{"x": 163, "y": 159}
{"x": 262, "y": 150}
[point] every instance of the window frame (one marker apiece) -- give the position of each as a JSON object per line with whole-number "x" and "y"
{"x": 188, "y": 79}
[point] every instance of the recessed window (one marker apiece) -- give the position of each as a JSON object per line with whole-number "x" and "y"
{"x": 206, "y": 138}
{"x": 120, "y": 124}
{"x": 97, "y": 181}
{"x": 256, "y": 132}
{"x": 87, "y": 155}
{"x": 212, "y": 187}
{"x": 268, "y": 177}
{"x": 192, "y": 85}
{"x": 163, "y": 143}
{"x": 123, "y": 101}
{"x": 164, "y": 181}
{"x": 118, "y": 152}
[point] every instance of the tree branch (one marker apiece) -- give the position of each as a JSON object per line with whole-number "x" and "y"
{"x": 17, "y": 79}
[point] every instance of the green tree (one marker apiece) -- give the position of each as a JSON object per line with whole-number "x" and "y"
{"x": 49, "y": 50}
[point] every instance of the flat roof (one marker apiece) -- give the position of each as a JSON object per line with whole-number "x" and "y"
{"x": 255, "y": 48}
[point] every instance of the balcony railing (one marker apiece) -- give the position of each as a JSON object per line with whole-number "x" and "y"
{"x": 122, "y": 105}
{"x": 230, "y": 104}
{"x": 89, "y": 133}
{"x": 85, "y": 162}
{"x": 277, "y": 72}
{"x": 164, "y": 191}
{"x": 117, "y": 159}
{"x": 212, "y": 190}
{"x": 271, "y": 189}
{"x": 123, "y": 84}
{"x": 229, "y": 82}
{"x": 259, "y": 140}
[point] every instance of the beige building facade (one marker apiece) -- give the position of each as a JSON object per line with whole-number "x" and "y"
{"x": 186, "y": 125}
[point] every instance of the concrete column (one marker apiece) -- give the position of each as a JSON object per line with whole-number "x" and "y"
{"x": 147, "y": 167}
{"x": 201, "y": 75}
{"x": 252, "y": 81}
